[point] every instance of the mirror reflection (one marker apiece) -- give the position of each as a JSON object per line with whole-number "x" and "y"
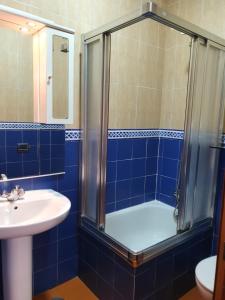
{"x": 60, "y": 77}
{"x": 16, "y": 76}
{"x": 28, "y": 148}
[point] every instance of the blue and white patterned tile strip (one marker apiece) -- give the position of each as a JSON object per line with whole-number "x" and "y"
{"x": 75, "y": 134}
{"x": 132, "y": 133}
{"x": 145, "y": 133}
{"x": 173, "y": 134}
{"x": 20, "y": 126}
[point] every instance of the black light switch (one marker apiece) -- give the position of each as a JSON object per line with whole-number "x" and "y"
{"x": 23, "y": 147}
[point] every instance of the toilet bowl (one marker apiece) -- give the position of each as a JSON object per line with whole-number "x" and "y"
{"x": 205, "y": 277}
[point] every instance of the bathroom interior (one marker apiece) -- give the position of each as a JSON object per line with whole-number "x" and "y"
{"x": 112, "y": 149}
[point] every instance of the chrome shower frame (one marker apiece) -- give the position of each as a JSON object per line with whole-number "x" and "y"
{"x": 149, "y": 10}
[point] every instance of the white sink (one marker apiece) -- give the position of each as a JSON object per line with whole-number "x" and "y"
{"x": 39, "y": 211}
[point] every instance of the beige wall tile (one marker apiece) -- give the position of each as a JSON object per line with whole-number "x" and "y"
{"x": 148, "y": 108}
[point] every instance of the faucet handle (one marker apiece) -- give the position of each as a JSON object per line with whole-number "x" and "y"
{"x": 19, "y": 191}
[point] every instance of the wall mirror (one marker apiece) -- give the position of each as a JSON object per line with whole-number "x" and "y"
{"x": 36, "y": 93}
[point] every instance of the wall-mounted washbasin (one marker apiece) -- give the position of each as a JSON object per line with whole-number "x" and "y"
{"x": 38, "y": 211}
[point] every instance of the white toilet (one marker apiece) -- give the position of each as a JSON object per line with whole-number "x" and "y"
{"x": 205, "y": 272}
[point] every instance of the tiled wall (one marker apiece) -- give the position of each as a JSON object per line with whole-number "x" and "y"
{"x": 166, "y": 277}
{"x": 55, "y": 253}
{"x": 142, "y": 169}
{"x": 150, "y": 92}
{"x": 131, "y": 172}
{"x": 46, "y": 153}
{"x": 170, "y": 151}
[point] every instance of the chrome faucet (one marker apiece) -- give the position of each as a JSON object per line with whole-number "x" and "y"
{"x": 16, "y": 193}
{"x": 3, "y": 177}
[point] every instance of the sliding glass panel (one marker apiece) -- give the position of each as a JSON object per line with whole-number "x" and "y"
{"x": 205, "y": 119}
{"x": 92, "y": 139}
{"x": 209, "y": 136}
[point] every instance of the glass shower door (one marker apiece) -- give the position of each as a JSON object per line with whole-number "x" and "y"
{"x": 93, "y": 55}
{"x": 205, "y": 133}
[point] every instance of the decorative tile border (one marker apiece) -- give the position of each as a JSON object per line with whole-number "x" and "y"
{"x": 145, "y": 133}
{"x": 73, "y": 134}
{"x": 173, "y": 134}
{"x": 20, "y": 126}
{"x": 131, "y": 133}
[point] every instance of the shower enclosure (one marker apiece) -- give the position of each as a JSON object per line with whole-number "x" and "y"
{"x": 153, "y": 109}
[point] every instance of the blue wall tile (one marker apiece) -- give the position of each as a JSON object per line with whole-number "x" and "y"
{"x": 137, "y": 186}
{"x": 45, "y": 137}
{"x": 68, "y": 228}
{"x": 30, "y": 136}
{"x": 139, "y": 148}
{"x": 138, "y": 167}
{"x": 110, "y": 207}
{"x": 124, "y": 169}
{"x": 150, "y": 185}
{"x": 2, "y": 154}
{"x": 137, "y": 200}
{"x": 45, "y": 238}
{"x": 168, "y": 167}
{"x": 67, "y": 248}
{"x": 14, "y": 169}
{"x": 44, "y": 257}
{"x": 125, "y": 203}
{"x": 112, "y": 150}
{"x": 13, "y": 137}
{"x": 124, "y": 149}
{"x": 170, "y": 148}
{"x": 68, "y": 269}
{"x": 167, "y": 186}
{"x": 72, "y": 153}
{"x": 110, "y": 192}
{"x": 70, "y": 180}
{"x": 151, "y": 165}
{"x": 49, "y": 182}
{"x": 2, "y": 138}
{"x": 30, "y": 168}
{"x": 123, "y": 189}
{"x": 45, "y": 279}
{"x": 111, "y": 171}
{"x": 45, "y": 151}
{"x": 57, "y": 137}
{"x": 152, "y": 147}
{"x": 32, "y": 154}
{"x": 12, "y": 155}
